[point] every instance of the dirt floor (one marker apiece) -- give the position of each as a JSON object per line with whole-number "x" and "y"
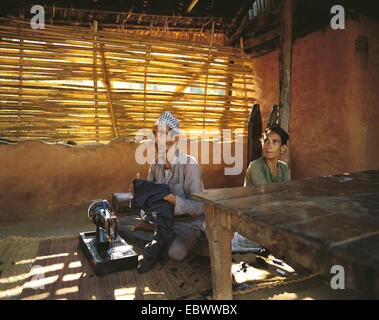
{"x": 76, "y": 221}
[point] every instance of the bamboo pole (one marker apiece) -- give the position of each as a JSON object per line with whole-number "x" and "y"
{"x": 147, "y": 62}
{"x": 59, "y": 93}
{"x": 95, "y": 90}
{"x": 108, "y": 87}
{"x": 207, "y": 70}
{"x": 244, "y": 78}
{"x": 21, "y": 66}
{"x": 110, "y": 37}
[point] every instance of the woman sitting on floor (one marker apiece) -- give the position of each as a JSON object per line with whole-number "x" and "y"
{"x": 266, "y": 169}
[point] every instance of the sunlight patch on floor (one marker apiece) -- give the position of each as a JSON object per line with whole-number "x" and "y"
{"x": 125, "y": 293}
{"x": 68, "y": 290}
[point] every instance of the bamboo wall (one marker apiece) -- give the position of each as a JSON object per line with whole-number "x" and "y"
{"x": 84, "y": 84}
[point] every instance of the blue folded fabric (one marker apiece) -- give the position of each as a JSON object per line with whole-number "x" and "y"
{"x": 148, "y": 196}
{"x": 149, "y": 204}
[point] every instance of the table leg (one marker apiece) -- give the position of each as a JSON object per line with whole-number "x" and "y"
{"x": 220, "y": 251}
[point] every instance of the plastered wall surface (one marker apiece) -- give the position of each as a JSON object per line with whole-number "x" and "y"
{"x": 334, "y": 105}
{"x": 40, "y": 178}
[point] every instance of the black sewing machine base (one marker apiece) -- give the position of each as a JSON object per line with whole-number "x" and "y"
{"x": 115, "y": 257}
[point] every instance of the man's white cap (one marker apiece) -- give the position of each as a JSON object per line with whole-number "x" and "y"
{"x": 168, "y": 120}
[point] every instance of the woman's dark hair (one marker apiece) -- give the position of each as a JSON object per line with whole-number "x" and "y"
{"x": 282, "y": 133}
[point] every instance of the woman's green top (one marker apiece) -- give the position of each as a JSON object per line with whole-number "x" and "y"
{"x": 258, "y": 172}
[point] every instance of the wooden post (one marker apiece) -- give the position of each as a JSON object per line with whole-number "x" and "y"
{"x": 108, "y": 87}
{"x": 220, "y": 236}
{"x": 285, "y": 66}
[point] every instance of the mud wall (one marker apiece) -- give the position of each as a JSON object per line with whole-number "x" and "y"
{"x": 334, "y": 109}
{"x": 43, "y": 178}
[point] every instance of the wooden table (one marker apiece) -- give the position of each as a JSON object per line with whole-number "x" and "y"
{"x": 317, "y": 223}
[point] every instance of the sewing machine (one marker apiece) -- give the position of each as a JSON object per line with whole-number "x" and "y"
{"x": 106, "y": 251}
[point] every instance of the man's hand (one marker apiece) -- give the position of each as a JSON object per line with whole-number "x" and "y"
{"x": 131, "y": 188}
{"x": 170, "y": 198}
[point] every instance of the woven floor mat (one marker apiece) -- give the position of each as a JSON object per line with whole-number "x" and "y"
{"x": 57, "y": 269}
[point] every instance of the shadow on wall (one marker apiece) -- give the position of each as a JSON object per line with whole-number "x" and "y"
{"x": 41, "y": 177}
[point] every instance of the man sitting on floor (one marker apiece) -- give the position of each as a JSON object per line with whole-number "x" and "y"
{"x": 182, "y": 174}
